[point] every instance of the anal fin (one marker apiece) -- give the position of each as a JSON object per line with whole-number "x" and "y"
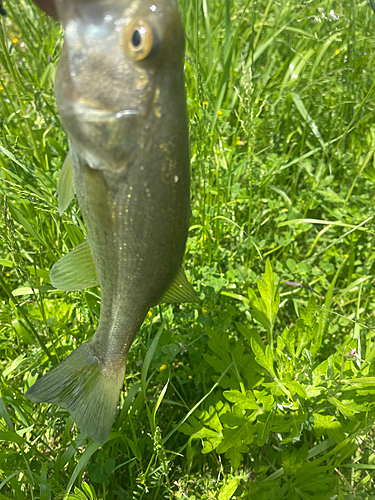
{"x": 179, "y": 291}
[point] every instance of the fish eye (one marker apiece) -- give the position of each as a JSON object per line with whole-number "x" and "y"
{"x": 139, "y": 40}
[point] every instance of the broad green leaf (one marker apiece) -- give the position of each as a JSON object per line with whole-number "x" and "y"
{"x": 266, "y": 307}
{"x": 348, "y": 407}
{"x": 11, "y": 437}
{"x": 235, "y": 438}
{"x": 77, "y": 495}
{"x": 303, "y": 334}
{"x": 264, "y": 429}
{"x": 192, "y": 410}
{"x": 308, "y": 313}
{"x": 89, "y": 491}
{"x": 292, "y": 424}
{"x": 6, "y": 263}
{"x": 234, "y": 420}
{"x": 267, "y": 290}
{"x": 235, "y": 455}
{"x": 278, "y": 388}
{"x": 320, "y": 373}
{"x": 211, "y": 419}
{"x": 266, "y": 400}
{"x": 296, "y": 388}
{"x": 211, "y": 441}
{"x": 258, "y": 310}
{"x": 312, "y": 391}
{"x": 243, "y": 401}
{"x": 100, "y": 474}
{"x": 228, "y": 490}
{"x": 265, "y": 358}
{"x": 359, "y": 383}
{"x": 323, "y": 422}
{"x": 289, "y": 338}
{"x": 217, "y": 364}
{"x": 26, "y": 290}
{"x": 250, "y": 333}
{"x": 192, "y": 426}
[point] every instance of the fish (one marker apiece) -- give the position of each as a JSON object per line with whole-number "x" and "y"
{"x": 121, "y": 96}
{"x": 47, "y": 6}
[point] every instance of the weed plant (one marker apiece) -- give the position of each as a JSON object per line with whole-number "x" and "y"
{"x": 266, "y": 390}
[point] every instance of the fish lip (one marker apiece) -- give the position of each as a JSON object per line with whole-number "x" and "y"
{"x": 93, "y": 112}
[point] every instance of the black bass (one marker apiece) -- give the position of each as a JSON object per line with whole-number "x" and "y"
{"x": 121, "y": 95}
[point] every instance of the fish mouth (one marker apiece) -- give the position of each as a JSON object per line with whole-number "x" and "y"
{"x": 104, "y": 136}
{"x": 92, "y": 110}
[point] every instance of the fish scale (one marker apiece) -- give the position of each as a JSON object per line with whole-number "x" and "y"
{"x": 127, "y": 126}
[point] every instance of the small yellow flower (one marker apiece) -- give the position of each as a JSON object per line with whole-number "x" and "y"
{"x": 163, "y": 367}
{"x": 344, "y": 95}
{"x": 218, "y": 151}
{"x": 149, "y": 314}
{"x": 1, "y": 88}
{"x": 15, "y": 40}
{"x": 219, "y": 112}
{"x": 240, "y": 143}
{"x": 205, "y": 103}
{"x": 337, "y": 51}
{"x": 346, "y": 256}
{"x": 284, "y": 210}
{"x": 7, "y": 274}
{"x": 204, "y": 310}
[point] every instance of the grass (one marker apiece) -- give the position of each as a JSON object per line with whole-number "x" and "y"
{"x": 265, "y": 390}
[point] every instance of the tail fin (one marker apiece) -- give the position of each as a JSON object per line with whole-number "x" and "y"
{"x": 80, "y": 385}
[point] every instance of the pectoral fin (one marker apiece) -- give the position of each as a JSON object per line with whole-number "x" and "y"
{"x": 75, "y": 271}
{"x": 65, "y": 189}
{"x": 179, "y": 291}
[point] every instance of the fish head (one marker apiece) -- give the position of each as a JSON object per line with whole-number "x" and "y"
{"x": 117, "y": 55}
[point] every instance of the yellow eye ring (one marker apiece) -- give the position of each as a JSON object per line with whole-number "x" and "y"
{"x": 138, "y": 40}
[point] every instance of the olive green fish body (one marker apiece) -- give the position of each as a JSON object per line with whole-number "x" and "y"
{"x": 120, "y": 92}
{"x": 137, "y": 233}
